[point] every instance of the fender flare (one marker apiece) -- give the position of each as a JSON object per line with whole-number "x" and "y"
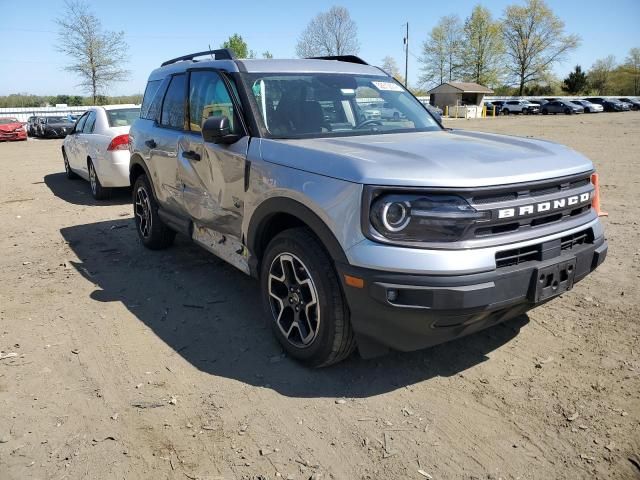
{"x": 283, "y": 205}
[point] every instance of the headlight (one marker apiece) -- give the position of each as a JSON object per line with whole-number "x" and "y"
{"x": 422, "y": 217}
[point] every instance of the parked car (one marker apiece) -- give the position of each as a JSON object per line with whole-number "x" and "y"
{"x": 634, "y": 103}
{"x": 370, "y": 112}
{"x": 435, "y": 111}
{"x": 538, "y": 102}
{"x": 588, "y": 106}
{"x": 98, "y": 148}
{"x": 54, "y": 127}
{"x": 389, "y": 112}
{"x": 609, "y": 104}
{"x": 561, "y": 106}
{"x": 362, "y": 233}
{"x": 519, "y": 106}
{"x": 493, "y": 107}
{"x": 12, "y": 129}
{"x": 32, "y": 123}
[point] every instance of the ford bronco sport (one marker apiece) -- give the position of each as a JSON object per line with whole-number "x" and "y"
{"x": 363, "y": 232}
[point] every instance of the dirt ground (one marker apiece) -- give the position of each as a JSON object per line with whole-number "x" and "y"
{"x": 138, "y": 364}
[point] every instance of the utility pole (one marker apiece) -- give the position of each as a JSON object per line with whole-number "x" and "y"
{"x": 406, "y": 58}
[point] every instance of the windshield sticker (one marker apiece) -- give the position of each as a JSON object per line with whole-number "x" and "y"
{"x": 387, "y": 86}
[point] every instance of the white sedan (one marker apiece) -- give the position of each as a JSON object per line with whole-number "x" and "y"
{"x": 97, "y": 149}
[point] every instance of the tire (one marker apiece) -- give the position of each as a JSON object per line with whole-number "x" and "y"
{"x": 568, "y": 111}
{"x": 505, "y": 111}
{"x": 545, "y": 111}
{"x": 297, "y": 273}
{"x": 587, "y": 110}
{"x": 71, "y": 175}
{"x": 153, "y": 233}
{"x": 97, "y": 190}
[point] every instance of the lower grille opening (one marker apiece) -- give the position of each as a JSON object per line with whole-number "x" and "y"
{"x": 516, "y": 256}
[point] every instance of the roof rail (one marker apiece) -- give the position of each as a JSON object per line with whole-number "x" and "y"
{"x": 220, "y": 54}
{"x": 341, "y": 58}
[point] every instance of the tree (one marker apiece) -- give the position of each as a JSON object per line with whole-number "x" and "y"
{"x": 237, "y": 44}
{"x": 267, "y": 54}
{"x": 482, "y": 52}
{"x": 631, "y": 67}
{"x": 329, "y": 33}
{"x": 441, "y": 52}
{"x": 534, "y": 40}
{"x": 97, "y": 55}
{"x": 600, "y": 75}
{"x": 390, "y": 66}
{"x": 576, "y": 82}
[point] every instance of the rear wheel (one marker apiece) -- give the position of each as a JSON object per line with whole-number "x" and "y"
{"x": 505, "y": 111}
{"x": 153, "y": 233}
{"x": 97, "y": 190}
{"x": 545, "y": 111}
{"x": 568, "y": 111}
{"x": 67, "y": 168}
{"x": 304, "y": 301}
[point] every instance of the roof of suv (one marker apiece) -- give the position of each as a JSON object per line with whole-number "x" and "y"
{"x": 271, "y": 65}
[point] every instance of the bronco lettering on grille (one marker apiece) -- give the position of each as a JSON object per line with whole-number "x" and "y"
{"x": 542, "y": 207}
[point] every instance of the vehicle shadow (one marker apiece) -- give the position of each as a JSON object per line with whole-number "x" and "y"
{"x": 78, "y": 191}
{"x": 210, "y": 314}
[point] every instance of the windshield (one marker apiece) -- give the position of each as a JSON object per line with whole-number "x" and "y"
{"x": 312, "y": 105}
{"x": 7, "y": 121}
{"x": 122, "y": 117}
{"x": 56, "y": 120}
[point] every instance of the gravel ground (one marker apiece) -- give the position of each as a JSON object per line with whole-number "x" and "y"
{"x": 137, "y": 364}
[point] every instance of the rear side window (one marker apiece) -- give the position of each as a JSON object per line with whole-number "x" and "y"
{"x": 149, "y": 95}
{"x": 80, "y": 125}
{"x": 91, "y": 122}
{"x": 173, "y": 105}
{"x": 122, "y": 117}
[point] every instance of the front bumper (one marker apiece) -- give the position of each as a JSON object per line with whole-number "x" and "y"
{"x": 16, "y": 135}
{"x": 408, "y": 312}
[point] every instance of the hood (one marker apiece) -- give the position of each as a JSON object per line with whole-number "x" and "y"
{"x": 10, "y": 127}
{"x": 453, "y": 158}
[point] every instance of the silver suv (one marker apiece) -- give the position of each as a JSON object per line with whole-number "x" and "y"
{"x": 362, "y": 232}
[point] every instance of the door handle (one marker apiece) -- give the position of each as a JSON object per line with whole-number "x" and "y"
{"x": 151, "y": 143}
{"x": 191, "y": 155}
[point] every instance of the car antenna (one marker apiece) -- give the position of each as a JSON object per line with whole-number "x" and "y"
{"x": 212, "y": 57}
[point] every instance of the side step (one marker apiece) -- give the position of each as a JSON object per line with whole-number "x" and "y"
{"x": 175, "y": 222}
{"x": 223, "y": 246}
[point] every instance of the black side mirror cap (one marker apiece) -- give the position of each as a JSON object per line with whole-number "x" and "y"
{"x": 218, "y": 130}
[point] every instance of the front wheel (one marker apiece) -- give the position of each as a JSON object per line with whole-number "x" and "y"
{"x": 152, "y": 231}
{"x": 505, "y": 111}
{"x": 304, "y": 301}
{"x": 545, "y": 111}
{"x": 567, "y": 111}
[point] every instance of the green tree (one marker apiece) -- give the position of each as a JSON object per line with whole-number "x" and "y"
{"x": 442, "y": 51}
{"x": 483, "y": 48}
{"x": 97, "y": 55}
{"x": 600, "y": 75}
{"x": 534, "y": 39}
{"x": 267, "y": 54}
{"x": 237, "y": 44}
{"x": 631, "y": 68}
{"x": 576, "y": 83}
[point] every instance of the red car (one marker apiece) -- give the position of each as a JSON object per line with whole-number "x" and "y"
{"x": 12, "y": 129}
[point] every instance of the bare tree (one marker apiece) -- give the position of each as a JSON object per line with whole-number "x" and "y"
{"x": 632, "y": 68}
{"x": 96, "y": 55}
{"x": 329, "y": 33}
{"x": 534, "y": 39}
{"x": 441, "y": 52}
{"x": 600, "y": 75}
{"x": 390, "y": 66}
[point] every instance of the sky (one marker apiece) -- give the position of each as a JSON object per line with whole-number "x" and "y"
{"x": 159, "y": 30}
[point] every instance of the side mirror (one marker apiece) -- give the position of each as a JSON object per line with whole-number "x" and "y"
{"x": 218, "y": 130}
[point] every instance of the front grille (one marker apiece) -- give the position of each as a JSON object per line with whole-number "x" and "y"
{"x": 523, "y": 195}
{"x": 551, "y": 249}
